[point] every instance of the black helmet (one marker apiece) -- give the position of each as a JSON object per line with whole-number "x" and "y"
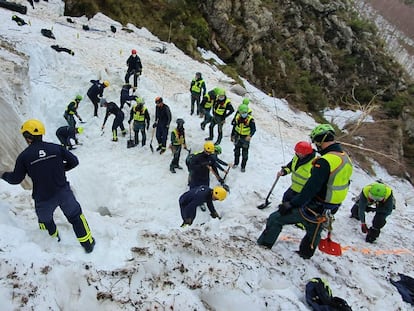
{"x": 180, "y": 122}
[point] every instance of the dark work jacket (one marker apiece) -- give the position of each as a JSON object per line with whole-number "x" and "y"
{"x": 67, "y": 132}
{"x": 134, "y": 63}
{"x": 316, "y": 184}
{"x": 46, "y": 164}
{"x": 200, "y": 174}
{"x": 163, "y": 115}
{"x": 112, "y": 108}
{"x": 196, "y": 197}
{"x": 96, "y": 89}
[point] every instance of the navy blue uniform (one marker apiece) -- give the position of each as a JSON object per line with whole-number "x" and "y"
{"x": 199, "y": 173}
{"x": 112, "y": 108}
{"x": 46, "y": 164}
{"x": 162, "y": 120}
{"x": 190, "y": 200}
{"x": 94, "y": 92}
{"x": 134, "y": 68}
{"x": 125, "y": 97}
{"x": 65, "y": 134}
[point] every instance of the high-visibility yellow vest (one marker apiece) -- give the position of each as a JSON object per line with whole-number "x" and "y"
{"x": 367, "y": 189}
{"x": 179, "y": 140}
{"x": 139, "y": 115}
{"x": 243, "y": 126}
{"x": 339, "y": 178}
{"x": 196, "y": 87}
{"x": 300, "y": 175}
{"x": 220, "y": 108}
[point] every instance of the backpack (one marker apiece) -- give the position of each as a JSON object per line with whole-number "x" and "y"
{"x": 319, "y": 297}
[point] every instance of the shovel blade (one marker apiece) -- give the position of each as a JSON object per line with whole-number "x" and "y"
{"x": 130, "y": 143}
{"x": 264, "y": 205}
{"x": 330, "y": 247}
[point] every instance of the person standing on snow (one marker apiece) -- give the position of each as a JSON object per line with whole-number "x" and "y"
{"x": 125, "y": 97}
{"x": 162, "y": 123}
{"x": 197, "y": 89}
{"x": 134, "y": 68}
{"x": 222, "y": 108}
{"x": 66, "y": 133}
{"x": 376, "y": 197}
{"x": 177, "y": 142}
{"x": 205, "y": 107}
{"x": 190, "y": 200}
{"x": 46, "y": 164}
{"x": 112, "y": 108}
{"x": 300, "y": 167}
{"x": 95, "y": 92}
{"x": 322, "y": 194}
{"x": 139, "y": 113}
{"x": 72, "y": 110}
{"x": 243, "y": 130}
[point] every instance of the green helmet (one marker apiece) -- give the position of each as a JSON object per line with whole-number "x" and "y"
{"x": 78, "y": 97}
{"x": 139, "y": 100}
{"x": 322, "y": 129}
{"x": 377, "y": 191}
{"x": 220, "y": 92}
{"x": 217, "y": 149}
{"x": 245, "y": 101}
{"x": 243, "y": 109}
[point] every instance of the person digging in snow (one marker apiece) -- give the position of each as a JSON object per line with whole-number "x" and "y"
{"x": 112, "y": 108}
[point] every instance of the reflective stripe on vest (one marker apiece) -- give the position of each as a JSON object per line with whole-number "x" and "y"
{"x": 197, "y": 86}
{"x": 140, "y": 115}
{"x": 243, "y": 127}
{"x": 300, "y": 175}
{"x": 338, "y": 183}
{"x": 221, "y": 108}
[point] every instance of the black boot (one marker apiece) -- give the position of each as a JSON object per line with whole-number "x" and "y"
{"x": 373, "y": 234}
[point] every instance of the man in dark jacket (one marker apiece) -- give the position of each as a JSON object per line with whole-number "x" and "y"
{"x": 134, "y": 67}
{"x": 199, "y": 166}
{"x": 125, "y": 96}
{"x": 112, "y": 108}
{"x": 95, "y": 92}
{"x": 190, "y": 200}
{"x": 46, "y": 164}
{"x": 197, "y": 89}
{"x": 322, "y": 194}
{"x": 66, "y": 133}
{"x": 162, "y": 123}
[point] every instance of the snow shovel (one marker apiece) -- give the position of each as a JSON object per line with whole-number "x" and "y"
{"x": 330, "y": 247}
{"x": 267, "y": 202}
{"x": 130, "y": 142}
{"x": 152, "y": 137}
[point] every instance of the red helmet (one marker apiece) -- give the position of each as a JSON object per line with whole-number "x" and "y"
{"x": 303, "y": 148}
{"x": 134, "y": 51}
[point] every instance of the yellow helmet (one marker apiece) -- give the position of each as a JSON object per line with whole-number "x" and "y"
{"x": 219, "y": 193}
{"x": 106, "y": 83}
{"x": 33, "y": 127}
{"x": 209, "y": 147}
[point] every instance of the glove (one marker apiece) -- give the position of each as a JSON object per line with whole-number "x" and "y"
{"x": 364, "y": 228}
{"x": 248, "y": 138}
{"x": 214, "y": 215}
{"x": 285, "y": 208}
{"x": 154, "y": 125}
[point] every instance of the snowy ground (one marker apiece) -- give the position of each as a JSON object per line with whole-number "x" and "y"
{"x": 143, "y": 260}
